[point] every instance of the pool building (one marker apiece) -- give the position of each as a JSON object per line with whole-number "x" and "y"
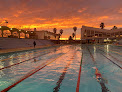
{"x": 97, "y": 35}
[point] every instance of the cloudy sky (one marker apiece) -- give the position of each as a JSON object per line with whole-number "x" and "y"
{"x": 62, "y": 14}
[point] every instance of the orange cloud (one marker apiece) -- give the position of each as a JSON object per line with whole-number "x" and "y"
{"x": 120, "y": 10}
{"x": 82, "y": 10}
{"x": 16, "y": 15}
{"x": 103, "y": 17}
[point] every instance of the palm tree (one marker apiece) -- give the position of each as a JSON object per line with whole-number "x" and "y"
{"x": 61, "y": 31}
{"x": 70, "y": 38}
{"x": 54, "y": 30}
{"x": 75, "y": 28}
{"x": 114, "y": 27}
{"x": 102, "y": 25}
{"x": 73, "y": 34}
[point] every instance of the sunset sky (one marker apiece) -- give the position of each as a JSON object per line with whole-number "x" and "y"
{"x": 62, "y": 14}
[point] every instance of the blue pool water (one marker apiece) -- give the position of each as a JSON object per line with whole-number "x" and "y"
{"x": 63, "y": 61}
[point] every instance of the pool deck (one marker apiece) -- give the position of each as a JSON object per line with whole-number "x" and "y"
{"x": 4, "y": 51}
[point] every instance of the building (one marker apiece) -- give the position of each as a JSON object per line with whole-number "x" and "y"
{"x": 16, "y": 33}
{"x": 13, "y": 32}
{"x": 97, "y": 35}
{"x": 44, "y": 35}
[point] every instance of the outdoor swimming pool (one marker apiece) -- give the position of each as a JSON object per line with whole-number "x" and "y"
{"x": 56, "y": 69}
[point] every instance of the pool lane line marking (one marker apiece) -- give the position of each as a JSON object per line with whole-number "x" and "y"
{"x": 78, "y": 81}
{"x": 111, "y": 56}
{"x": 23, "y": 55}
{"x": 30, "y": 73}
{"x": 101, "y": 84}
{"x": 112, "y": 61}
{"x": 91, "y": 55}
{"x": 58, "y": 84}
{"x": 23, "y": 61}
{"x": 104, "y": 88}
{"x": 111, "y": 51}
{"x": 19, "y": 56}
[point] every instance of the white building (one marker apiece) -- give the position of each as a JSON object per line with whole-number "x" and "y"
{"x": 97, "y": 35}
{"x": 44, "y": 35}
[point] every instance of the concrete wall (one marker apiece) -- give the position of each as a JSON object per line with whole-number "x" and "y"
{"x": 9, "y": 43}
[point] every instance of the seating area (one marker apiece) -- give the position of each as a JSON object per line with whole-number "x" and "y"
{"x": 10, "y": 43}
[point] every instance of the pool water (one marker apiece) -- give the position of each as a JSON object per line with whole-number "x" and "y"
{"x": 58, "y": 67}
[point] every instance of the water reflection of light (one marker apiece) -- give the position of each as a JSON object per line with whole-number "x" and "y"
{"x": 95, "y": 52}
{"x": 1, "y": 65}
{"x": 107, "y": 47}
{"x": 11, "y": 56}
{"x": 94, "y": 49}
{"x": 11, "y": 62}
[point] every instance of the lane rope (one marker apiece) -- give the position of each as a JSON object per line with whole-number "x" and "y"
{"x": 78, "y": 81}
{"x": 29, "y": 74}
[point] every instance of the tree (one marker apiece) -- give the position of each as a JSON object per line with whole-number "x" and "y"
{"x": 75, "y": 28}
{"x": 70, "y": 38}
{"x": 102, "y": 25}
{"x": 61, "y": 31}
{"x": 73, "y": 34}
{"x": 114, "y": 28}
{"x": 54, "y": 30}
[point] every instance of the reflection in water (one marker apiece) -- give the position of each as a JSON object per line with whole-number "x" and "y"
{"x": 59, "y": 70}
{"x": 55, "y": 49}
{"x": 107, "y": 47}
{"x": 94, "y": 49}
{"x": 34, "y": 60}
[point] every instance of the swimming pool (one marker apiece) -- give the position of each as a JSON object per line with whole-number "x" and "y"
{"x": 56, "y": 69}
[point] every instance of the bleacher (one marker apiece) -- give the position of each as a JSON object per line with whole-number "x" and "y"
{"x": 9, "y": 43}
